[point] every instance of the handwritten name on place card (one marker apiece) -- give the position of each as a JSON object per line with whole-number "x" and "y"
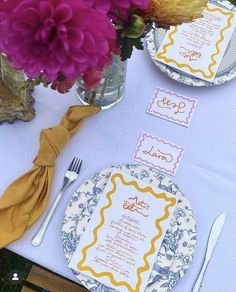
{"x": 172, "y": 107}
{"x": 158, "y": 153}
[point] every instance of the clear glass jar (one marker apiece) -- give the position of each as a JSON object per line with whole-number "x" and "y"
{"x": 111, "y": 89}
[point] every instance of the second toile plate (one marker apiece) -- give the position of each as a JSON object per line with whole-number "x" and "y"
{"x": 226, "y": 72}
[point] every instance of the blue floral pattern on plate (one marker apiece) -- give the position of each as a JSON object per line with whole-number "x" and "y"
{"x": 179, "y": 243}
{"x": 227, "y": 69}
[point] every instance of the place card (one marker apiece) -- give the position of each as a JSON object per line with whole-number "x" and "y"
{"x": 172, "y": 107}
{"x": 158, "y": 153}
{"x": 122, "y": 240}
{"x": 197, "y": 48}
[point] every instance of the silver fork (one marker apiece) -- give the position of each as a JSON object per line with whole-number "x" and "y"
{"x": 70, "y": 176}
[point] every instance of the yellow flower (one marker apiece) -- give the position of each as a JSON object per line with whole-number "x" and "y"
{"x": 173, "y": 12}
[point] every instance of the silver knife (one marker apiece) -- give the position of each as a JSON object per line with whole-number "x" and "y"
{"x": 213, "y": 238}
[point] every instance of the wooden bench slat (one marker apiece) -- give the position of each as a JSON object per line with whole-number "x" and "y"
{"x": 26, "y": 289}
{"x": 52, "y": 282}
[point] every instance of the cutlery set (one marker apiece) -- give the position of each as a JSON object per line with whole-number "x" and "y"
{"x": 212, "y": 241}
{"x": 70, "y": 177}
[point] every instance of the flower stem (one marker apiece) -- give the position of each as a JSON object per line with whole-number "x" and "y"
{"x": 104, "y": 86}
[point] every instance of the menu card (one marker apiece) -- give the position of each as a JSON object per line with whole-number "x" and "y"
{"x": 198, "y": 48}
{"x": 124, "y": 235}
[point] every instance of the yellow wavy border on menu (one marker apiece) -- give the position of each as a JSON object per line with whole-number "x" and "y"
{"x": 152, "y": 250}
{"x": 160, "y": 56}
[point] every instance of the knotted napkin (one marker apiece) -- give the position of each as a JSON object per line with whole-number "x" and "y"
{"x": 26, "y": 198}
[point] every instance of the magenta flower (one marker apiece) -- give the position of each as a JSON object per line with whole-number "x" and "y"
{"x": 55, "y": 38}
{"x": 62, "y": 85}
{"x": 92, "y": 79}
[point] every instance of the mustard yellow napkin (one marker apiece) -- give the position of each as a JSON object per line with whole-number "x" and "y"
{"x": 26, "y": 198}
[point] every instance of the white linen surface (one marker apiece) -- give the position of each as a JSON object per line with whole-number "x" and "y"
{"x": 207, "y": 173}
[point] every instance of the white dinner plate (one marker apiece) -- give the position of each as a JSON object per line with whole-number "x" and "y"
{"x": 178, "y": 246}
{"x": 227, "y": 69}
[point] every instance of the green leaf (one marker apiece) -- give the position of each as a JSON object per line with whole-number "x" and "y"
{"x": 233, "y": 1}
{"x": 127, "y": 45}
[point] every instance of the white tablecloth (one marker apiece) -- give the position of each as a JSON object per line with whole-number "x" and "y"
{"x": 207, "y": 173}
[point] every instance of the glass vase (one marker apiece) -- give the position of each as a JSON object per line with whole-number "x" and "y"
{"x": 111, "y": 89}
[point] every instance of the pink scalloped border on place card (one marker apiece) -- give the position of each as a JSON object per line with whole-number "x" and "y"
{"x": 171, "y": 106}
{"x": 158, "y": 153}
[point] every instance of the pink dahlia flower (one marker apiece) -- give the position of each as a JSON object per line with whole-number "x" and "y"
{"x": 92, "y": 78}
{"x": 62, "y": 85}
{"x": 122, "y": 6}
{"x": 55, "y": 38}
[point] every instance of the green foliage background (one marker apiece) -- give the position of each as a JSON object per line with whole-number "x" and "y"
{"x": 10, "y": 261}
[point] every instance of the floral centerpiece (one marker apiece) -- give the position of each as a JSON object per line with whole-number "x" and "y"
{"x": 56, "y": 42}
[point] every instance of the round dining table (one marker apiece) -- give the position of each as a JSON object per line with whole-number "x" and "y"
{"x": 206, "y": 175}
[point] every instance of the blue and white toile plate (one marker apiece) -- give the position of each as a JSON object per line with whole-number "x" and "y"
{"x": 227, "y": 69}
{"x": 178, "y": 246}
